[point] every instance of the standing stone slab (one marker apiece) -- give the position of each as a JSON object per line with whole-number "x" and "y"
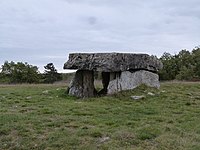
{"x": 88, "y": 83}
{"x": 76, "y": 85}
{"x": 82, "y": 84}
{"x": 127, "y": 81}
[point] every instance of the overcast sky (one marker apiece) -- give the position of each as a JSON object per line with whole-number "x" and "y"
{"x": 43, "y": 31}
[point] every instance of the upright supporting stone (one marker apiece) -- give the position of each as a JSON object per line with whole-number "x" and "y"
{"x": 76, "y": 85}
{"x": 82, "y": 84}
{"x": 129, "y": 80}
{"x": 88, "y": 83}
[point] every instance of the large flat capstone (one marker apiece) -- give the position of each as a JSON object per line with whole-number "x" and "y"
{"x": 112, "y": 62}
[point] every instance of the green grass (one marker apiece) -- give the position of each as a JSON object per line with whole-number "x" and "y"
{"x": 44, "y": 117}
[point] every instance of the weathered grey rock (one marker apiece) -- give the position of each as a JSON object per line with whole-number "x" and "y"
{"x": 127, "y": 80}
{"x": 104, "y": 139}
{"x": 120, "y": 71}
{"x": 151, "y": 94}
{"x": 112, "y": 62}
{"x": 82, "y": 84}
{"x": 29, "y": 97}
{"x": 76, "y": 85}
{"x": 45, "y": 92}
{"x": 138, "y": 97}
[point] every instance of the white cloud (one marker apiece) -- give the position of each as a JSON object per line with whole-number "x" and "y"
{"x": 47, "y": 30}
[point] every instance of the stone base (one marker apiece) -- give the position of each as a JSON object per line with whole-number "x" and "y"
{"x": 127, "y": 81}
{"x": 83, "y": 83}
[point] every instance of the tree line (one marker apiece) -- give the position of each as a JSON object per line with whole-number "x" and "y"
{"x": 182, "y": 66}
{"x": 20, "y": 72}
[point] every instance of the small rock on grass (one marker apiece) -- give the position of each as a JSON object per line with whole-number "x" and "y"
{"x": 151, "y": 94}
{"x": 78, "y": 102}
{"x": 45, "y": 92}
{"x": 104, "y": 139}
{"x": 29, "y": 97}
{"x": 138, "y": 97}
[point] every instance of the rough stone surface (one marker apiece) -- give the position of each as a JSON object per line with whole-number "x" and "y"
{"x": 112, "y": 62}
{"x": 82, "y": 84}
{"x": 120, "y": 71}
{"x": 127, "y": 80}
{"x": 151, "y": 94}
{"x": 137, "y": 97}
{"x": 88, "y": 83}
{"x": 104, "y": 139}
{"x": 76, "y": 85}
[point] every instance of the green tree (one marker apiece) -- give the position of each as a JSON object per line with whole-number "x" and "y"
{"x": 51, "y": 75}
{"x": 19, "y": 73}
{"x": 185, "y": 73}
{"x": 184, "y": 58}
{"x": 183, "y": 66}
{"x": 196, "y": 59}
{"x": 170, "y": 67}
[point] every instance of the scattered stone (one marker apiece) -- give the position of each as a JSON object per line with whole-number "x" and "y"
{"x": 104, "y": 139}
{"x": 45, "y": 92}
{"x": 3, "y": 97}
{"x": 138, "y": 97}
{"x": 78, "y": 102}
{"x": 190, "y": 94}
{"x": 163, "y": 91}
{"x": 151, "y": 94}
{"x": 29, "y": 97}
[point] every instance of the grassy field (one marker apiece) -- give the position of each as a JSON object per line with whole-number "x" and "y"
{"x": 44, "y": 117}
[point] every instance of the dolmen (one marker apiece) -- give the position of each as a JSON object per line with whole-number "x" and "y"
{"x": 120, "y": 71}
